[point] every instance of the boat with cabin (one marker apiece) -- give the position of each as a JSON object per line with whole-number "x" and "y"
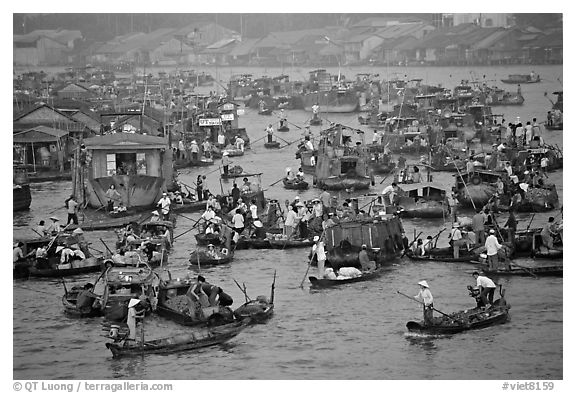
{"x": 139, "y": 166}
{"x": 521, "y": 78}
{"x": 420, "y": 200}
{"x": 329, "y": 96}
{"x": 339, "y": 165}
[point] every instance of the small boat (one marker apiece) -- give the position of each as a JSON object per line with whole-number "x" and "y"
{"x": 51, "y": 268}
{"x": 172, "y": 304}
{"x": 272, "y": 145}
{"x": 203, "y": 239}
{"x": 22, "y": 198}
{"x": 475, "y": 318}
{"x": 280, "y": 243}
{"x": 69, "y": 302}
{"x": 188, "y": 206}
{"x": 233, "y": 152}
{"x": 265, "y": 111}
{"x": 521, "y": 78}
{"x": 259, "y": 310}
{"x": 295, "y": 184}
{"x": 124, "y": 283}
{"x": 533, "y": 271}
{"x": 201, "y": 257}
{"x": 283, "y": 129}
{"x": 421, "y": 200}
{"x": 237, "y": 171}
{"x": 443, "y": 255}
{"x": 315, "y": 121}
{"x": 327, "y": 283}
{"x": 184, "y": 342}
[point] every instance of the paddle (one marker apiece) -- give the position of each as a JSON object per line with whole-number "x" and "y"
{"x": 243, "y": 290}
{"x": 438, "y": 311}
{"x": 107, "y": 248}
{"x": 525, "y": 269}
{"x": 259, "y": 139}
{"x": 38, "y": 233}
{"x": 272, "y": 288}
{"x": 437, "y": 236}
{"x": 409, "y": 245}
{"x": 277, "y": 181}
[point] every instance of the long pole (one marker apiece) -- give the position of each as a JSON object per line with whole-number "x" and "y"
{"x": 438, "y": 311}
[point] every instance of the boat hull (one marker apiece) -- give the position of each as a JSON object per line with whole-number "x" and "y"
{"x": 469, "y": 320}
{"x": 344, "y": 182}
{"x": 22, "y": 198}
{"x": 329, "y": 283}
{"x": 295, "y": 185}
{"x": 135, "y": 190}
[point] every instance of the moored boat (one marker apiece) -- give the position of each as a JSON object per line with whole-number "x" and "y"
{"x": 272, "y": 145}
{"x": 21, "y": 196}
{"x": 69, "y": 302}
{"x": 521, "y": 78}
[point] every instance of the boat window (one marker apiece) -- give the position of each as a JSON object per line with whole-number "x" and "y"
{"x": 126, "y": 163}
{"x": 346, "y": 166}
{"x": 111, "y": 164}
{"x": 141, "y": 163}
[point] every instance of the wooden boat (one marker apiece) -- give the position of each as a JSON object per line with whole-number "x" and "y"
{"x": 233, "y": 152}
{"x": 265, "y": 111}
{"x": 332, "y": 101}
{"x": 51, "y": 267}
{"x": 172, "y": 304}
{"x": 475, "y": 318}
{"x": 203, "y": 161}
{"x": 203, "y": 259}
{"x": 183, "y": 342}
{"x": 443, "y": 255}
{"x": 272, "y": 145}
{"x": 533, "y": 271}
{"x": 327, "y": 283}
{"x": 344, "y": 182}
{"x": 284, "y": 128}
{"x": 290, "y": 243}
{"x": 188, "y": 206}
{"x": 100, "y": 224}
{"x": 295, "y": 184}
{"x": 475, "y": 189}
{"x": 124, "y": 283}
{"x": 245, "y": 243}
{"x": 203, "y": 239}
{"x": 315, "y": 121}
{"x": 237, "y": 171}
{"x": 521, "y": 78}
{"x": 21, "y": 196}
{"x": 69, "y": 303}
{"x": 382, "y": 236}
{"x": 259, "y": 310}
{"x": 421, "y": 200}
{"x": 140, "y": 175}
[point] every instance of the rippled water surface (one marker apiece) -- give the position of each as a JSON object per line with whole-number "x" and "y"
{"x": 350, "y": 332}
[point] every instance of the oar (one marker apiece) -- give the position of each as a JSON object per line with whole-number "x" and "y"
{"x": 524, "y": 268}
{"x": 242, "y": 289}
{"x": 436, "y": 237}
{"x": 278, "y": 181}
{"x": 38, "y": 233}
{"x": 438, "y": 311}
{"x": 310, "y": 262}
{"x": 257, "y": 140}
{"x": 107, "y": 248}
{"x": 409, "y": 245}
{"x": 287, "y": 121}
{"x": 530, "y": 223}
{"x": 272, "y": 288}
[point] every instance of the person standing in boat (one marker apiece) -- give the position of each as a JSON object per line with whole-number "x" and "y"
{"x": 547, "y": 233}
{"x": 225, "y": 162}
{"x": 194, "y": 149}
{"x": 425, "y": 297}
{"x": 134, "y": 314}
{"x": 221, "y": 140}
{"x": 456, "y": 239}
{"x": 320, "y": 252}
{"x": 239, "y": 143}
{"x": 416, "y": 177}
{"x": 54, "y": 227}
{"x": 492, "y": 247}
{"x": 72, "y": 207}
{"x": 487, "y": 288}
{"x": 164, "y": 204}
{"x": 200, "y": 188}
{"x": 207, "y": 148}
{"x": 391, "y": 191}
{"x": 282, "y": 118}
{"x": 113, "y": 196}
{"x": 290, "y": 222}
{"x": 270, "y": 132}
{"x": 478, "y": 221}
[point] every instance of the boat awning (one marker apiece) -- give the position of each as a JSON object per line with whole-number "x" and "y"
{"x": 416, "y": 186}
{"x": 40, "y": 134}
{"x": 123, "y": 140}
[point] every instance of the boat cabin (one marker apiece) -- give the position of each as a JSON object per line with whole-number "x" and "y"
{"x": 342, "y": 152}
{"x": 477, "y": 177}
{"x": 382, "y": 233}
{"x": 139, "y": 166}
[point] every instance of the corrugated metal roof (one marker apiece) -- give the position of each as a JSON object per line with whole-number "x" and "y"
{"x": 39, "y": 134}
{"x": 245, "y": 47}
{"x": 222, "y": 43}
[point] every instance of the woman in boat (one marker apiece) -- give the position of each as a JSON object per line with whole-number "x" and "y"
{"x": 199, "y": 188}
{"x": 367, "y": 264}
{"x": 86, "y": 298}
{"x": 113, "y": 196}
{"x": 425, "y": 296}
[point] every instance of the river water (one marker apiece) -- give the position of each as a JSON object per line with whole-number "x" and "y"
{"x": 351, "y": 332}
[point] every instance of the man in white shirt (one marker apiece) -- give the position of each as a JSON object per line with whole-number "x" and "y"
{"x": 194, "y": 149}
{"x": 391, "y": 191}
{"x": 164, "y": 203}
{"x": 221, "y": 140}
{"x": 239, "y": 143}
{"x": 492, "y": 247}
{"x": 456, "y": 237}
{"x": 238, "y": 221}
{"x": 487, "y": 288}
{"x": 290, "y": 222}
{"x": 209, "y": 214}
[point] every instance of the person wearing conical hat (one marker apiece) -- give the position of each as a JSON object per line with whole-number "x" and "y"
{"x": 132, "y": 315}
{"x": 425, "y": 296}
